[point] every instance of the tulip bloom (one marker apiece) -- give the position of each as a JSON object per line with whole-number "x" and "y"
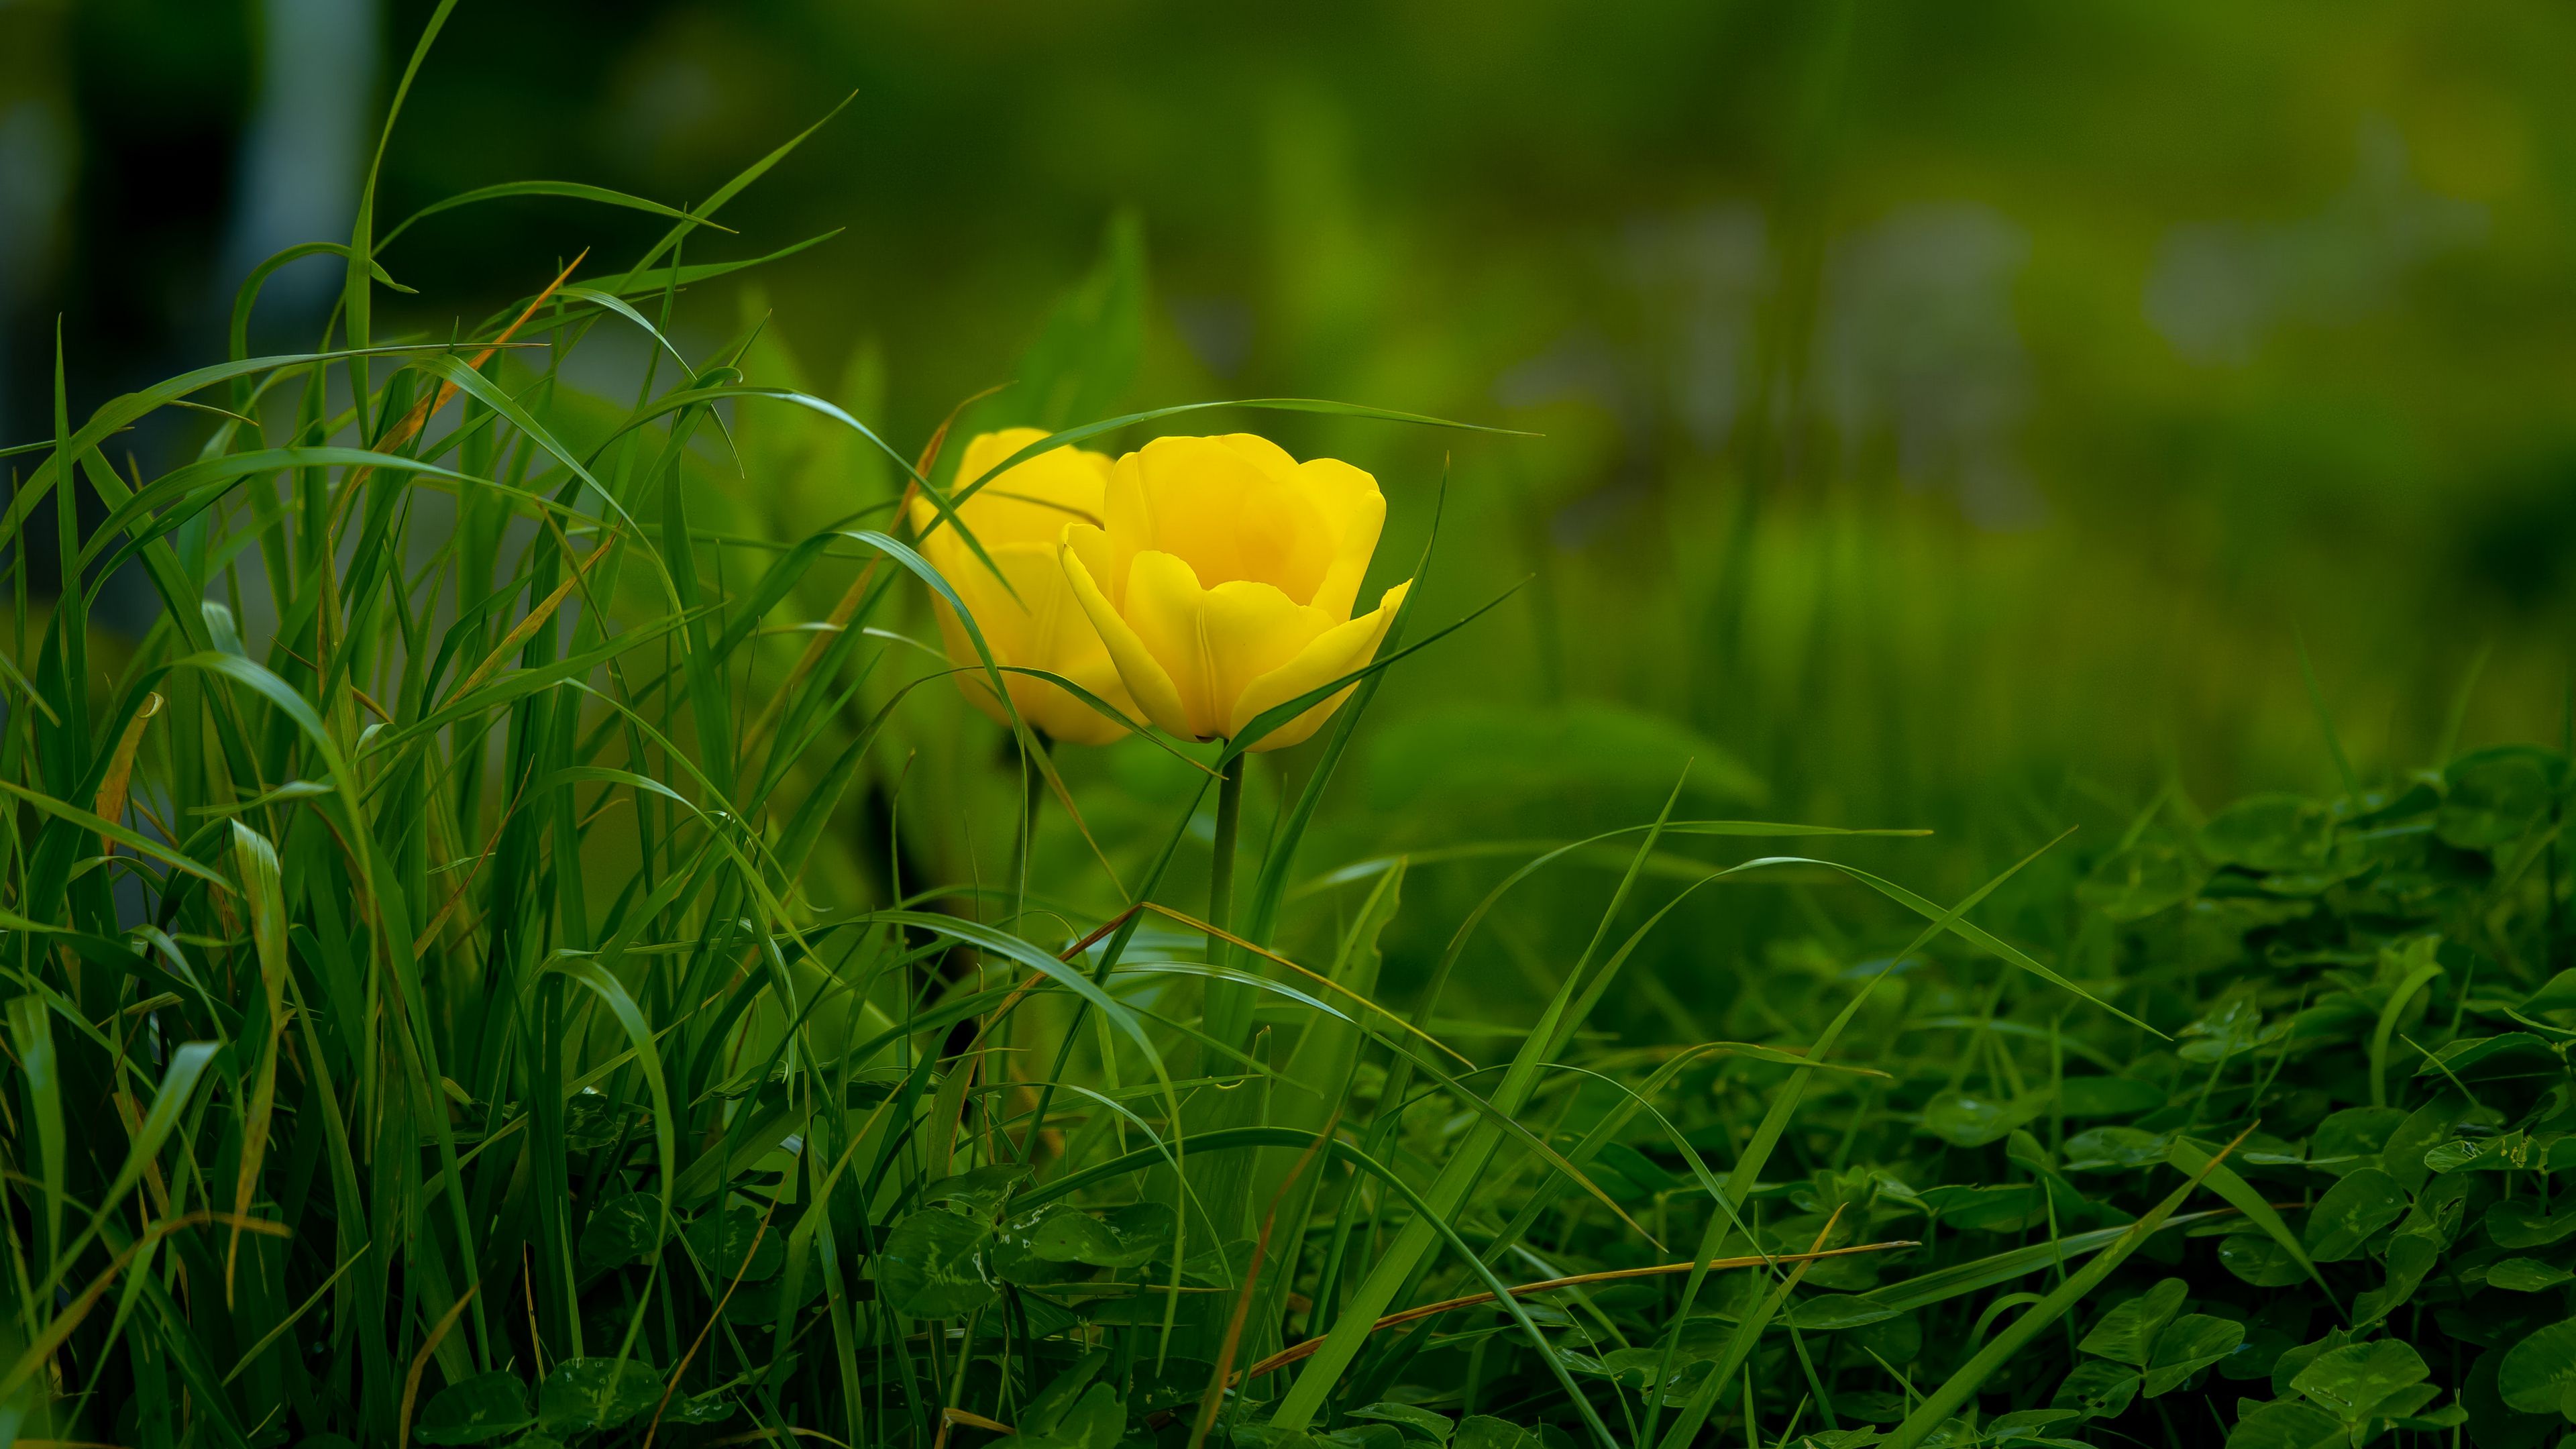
{"x": 1019, "y": 517}
{"x": 1222, "y": 578}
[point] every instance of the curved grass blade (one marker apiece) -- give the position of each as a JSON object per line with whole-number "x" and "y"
{"x": 572, "y": 190}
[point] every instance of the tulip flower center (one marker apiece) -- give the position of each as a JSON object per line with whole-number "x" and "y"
{"x": 1264, "y": 534}
{"x": 1282, "y": 542}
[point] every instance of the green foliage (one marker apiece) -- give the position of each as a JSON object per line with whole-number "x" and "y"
{"x": 477, "y": 1411}
{"x": 589, "y": 1394}
{"x": 528, "y": 949}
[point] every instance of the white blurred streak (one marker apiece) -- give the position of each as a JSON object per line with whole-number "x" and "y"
{"x": 304, "y": 152}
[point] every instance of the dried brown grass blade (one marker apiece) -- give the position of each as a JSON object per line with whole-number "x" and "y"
{"x": 410, "y": 425}
{"x": 420, "y": 1361}
{"x": 1296, "y": 1352}
{"x": 120, "y": 768}
{"x": 700, "y": 1341}
{"x": 1214, "y": 1398}
{"x": 521, "y": 632}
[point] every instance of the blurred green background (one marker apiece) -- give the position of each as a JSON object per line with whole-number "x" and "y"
{"x": 1953, "y": 415}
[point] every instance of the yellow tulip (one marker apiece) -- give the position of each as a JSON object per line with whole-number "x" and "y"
{"x": 1019, "y": 517}
{"x": 1222, "y": 580}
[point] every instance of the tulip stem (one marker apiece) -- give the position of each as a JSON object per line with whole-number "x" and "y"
{"x": 1229, "y": 818}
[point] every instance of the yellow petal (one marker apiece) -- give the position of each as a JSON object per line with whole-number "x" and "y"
{"x": 973, "y": 461}
{"x": 1126, "y": 525}
{"x": 947, "y": 551}
{"x": 1266, "y": 455}
{"x": 971, "y": 680}
{"x": 1029, "y": 504}
{"x": 1248, "y": 630}
{"x": 1353, "y": 508}
{"x": 1213, "y": 642}
{"x": 1346, "y": 502}
{"x": 1034, "y": 501}
{"x": 1167, "y": 610}
{"x": 1084, "y": 554}
{"x": 1005, "y": 621}
{"x": 1228, "y": 513}
{"x": 1335, "y": 652}
{"x": 1061, "y": 640}
{"x": 984, "y": 451}
{"x": 1063, "y": 717}
{"x": 1044, "y": 628}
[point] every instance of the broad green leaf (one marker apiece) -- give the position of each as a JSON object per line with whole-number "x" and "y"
{"x": 624, "y": 1230}
{"x": 1634, "y": 1369}
{"x": 2234, "y": 1026}
{"x": 2186, "y": 1346}
{"x": 2428, "y": 1126}
{"x": 477, "y": 1411}
{"x": 2289, "y": 1424}
{"x": 979, "y": 1188}
{"x": 2003, "y": 1208}
{"x": 2492, "y": 1424}
{"x": 767, "y": 1302}
{"x": 734, "y": 1243}
{"x": 1049, "y": 1405}
{"x": 1416, "y": 1423}
{"x": 2353, "y": 1138}
{"x": 1055, "y": 1241}
{"x": 1097, "y": 1420}
{"x": 712, "y": 1407}
{"x": 2526, "y": 1275}
{"x": 1965, "y": 1119}
{"x": 2474, "y": 1059}
{"x": 1869, "y": 1406}
{"x": 1127, "y": 1237}
{"x": 1179, "y": 1379}
{"x": 2538, "y": 1375}
{"x": 2254, "y": 1257}
{"x": 2108, "y": 1096}
{"x": 1484, "y": 1431}
{"x": 2101, "y": 1149}
{"x": 1831, "y": 1312}
{"x": 2268, "y": 833}
{"x": 932, "y": 1266}
{"x": 2028, "y": 1424}
{"x": 2351, "y": 1212}
{"x": 2098, "y": 1389}
{"x": 2411, "y": 1255}
{"x": 2517, "y": 1224}
{"x": 582, "y": 1394}
{"x": 2298, "y": 1356}
{"x": 2485, "y": 1154}
{"x": 2558, "y": 993}
{"x": 2352, "y": 1382}
{"x": 2493, "y": 796}
{"x": 2127, "y": 1334}
{"x": 2449, "y": 1416}
{"x": 1897, "y": 1340}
